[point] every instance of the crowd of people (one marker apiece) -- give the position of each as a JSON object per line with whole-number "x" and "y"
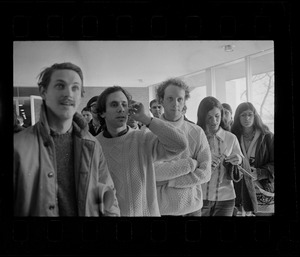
{"x": 117, "y": 159}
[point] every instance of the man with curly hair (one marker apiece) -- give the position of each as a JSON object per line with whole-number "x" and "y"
{"x": 179, "y": 180}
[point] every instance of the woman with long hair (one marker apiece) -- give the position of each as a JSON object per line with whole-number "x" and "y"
{"x": 257, "y": 144}
{"x": 218, "y": 193}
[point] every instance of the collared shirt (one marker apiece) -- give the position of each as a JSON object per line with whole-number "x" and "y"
{"x": 219, "y": 188}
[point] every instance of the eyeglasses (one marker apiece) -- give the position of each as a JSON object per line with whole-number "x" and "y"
{"x": 245, "y": 115}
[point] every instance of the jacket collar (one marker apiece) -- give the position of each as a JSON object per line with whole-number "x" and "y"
{"x": 253, "y": 145}
{"x": 80, "y": 126}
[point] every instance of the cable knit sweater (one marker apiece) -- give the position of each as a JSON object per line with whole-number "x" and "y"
{"x": 179, "y": 180}
{"x": 131, "y": 158}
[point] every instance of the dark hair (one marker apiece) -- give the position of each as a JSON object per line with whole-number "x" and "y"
{"x": 91, "y": 101}
{"x": 207, "y": 104}
{"x": 160, "y": 91}
{"x": 227, "y": 107}
{"x": 102, "y": 99}
{"x": 153, "y": 101}
{"x": 85, "y": 109}
{"x": 237, "y": 128}
{"x": 45, "y": 75}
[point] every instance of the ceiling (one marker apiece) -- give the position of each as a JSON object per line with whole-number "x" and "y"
{"x": 126, "y": 63}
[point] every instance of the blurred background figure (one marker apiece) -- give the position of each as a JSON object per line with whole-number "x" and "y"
{"x": 227, "y": 118}
{"x": 17, "y": 126}
{"x": 86, "y": 113}
{"x": 156, "y": 108}
{"x": 95, "y": 126}
{"x": 21, "y": 121}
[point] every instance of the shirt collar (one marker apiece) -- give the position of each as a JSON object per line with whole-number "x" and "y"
{"x": 108, "y": 135}
{"x": 220, "y": 134}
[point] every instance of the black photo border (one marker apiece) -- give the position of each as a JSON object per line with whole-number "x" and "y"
{"x": 157, "y": 20}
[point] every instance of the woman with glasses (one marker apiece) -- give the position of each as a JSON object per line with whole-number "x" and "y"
{"x": 257, "y": 144}
{"x": 218, "y": 193}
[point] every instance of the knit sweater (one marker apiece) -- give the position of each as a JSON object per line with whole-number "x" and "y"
{"x": 64, "y": 155}
{"x": 179, "y": 180}
{"x": 130, "y": 160}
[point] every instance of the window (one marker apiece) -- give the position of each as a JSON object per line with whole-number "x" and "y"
{"x": 197, "y": 85}
{"x": 231, "y": 85}
{"x": 263, "y": 87}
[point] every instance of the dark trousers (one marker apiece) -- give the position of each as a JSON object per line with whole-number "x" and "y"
{"x": 218, "y": 208}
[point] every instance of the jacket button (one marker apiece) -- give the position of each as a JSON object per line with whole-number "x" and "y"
{"x": 51, "y": 207}
{"x": 50, "y": 175}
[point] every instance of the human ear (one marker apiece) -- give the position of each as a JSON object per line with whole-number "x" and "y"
{"x": 43, "y": 92}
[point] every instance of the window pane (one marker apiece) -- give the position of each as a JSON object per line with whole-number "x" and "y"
{"x": 263, "y": 100}
{"x": 231, "y": 83}
{"x": 197, "y": 85}
{"x": 263, "y": 87}
{"x": 192, "y": 104}
{"x": 236, "y": 92}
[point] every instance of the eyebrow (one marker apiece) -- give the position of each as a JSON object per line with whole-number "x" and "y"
{"x": 212, "y": 115}
{"x": 61, "y": 80}
{"x": 114, "y": 101}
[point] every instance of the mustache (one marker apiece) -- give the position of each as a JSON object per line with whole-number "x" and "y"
{"x": 67, "y": 100}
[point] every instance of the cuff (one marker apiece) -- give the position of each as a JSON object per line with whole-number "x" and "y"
{"x": 149, "y": 122}
{"x": 193, "y": 164}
